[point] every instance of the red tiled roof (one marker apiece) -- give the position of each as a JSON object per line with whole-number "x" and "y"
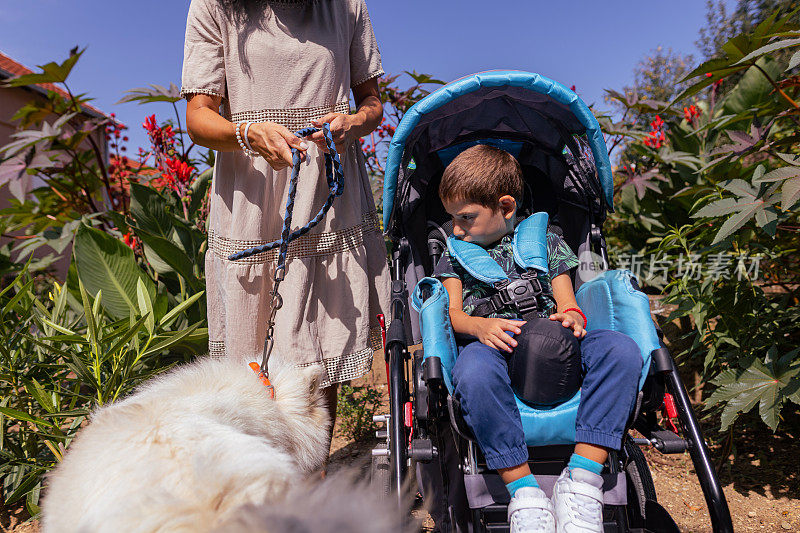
{"x": 16, "y": 69}
{"x": 134, "y": 166}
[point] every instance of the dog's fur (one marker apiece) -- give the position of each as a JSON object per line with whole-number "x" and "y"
{"x": 188, "y": 449}
{"x": 339, "y": 504}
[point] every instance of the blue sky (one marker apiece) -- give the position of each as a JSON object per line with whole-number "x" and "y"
{"x": 591, "y": 44}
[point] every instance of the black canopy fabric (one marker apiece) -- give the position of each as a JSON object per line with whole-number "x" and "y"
{"x": 544, "y": 135}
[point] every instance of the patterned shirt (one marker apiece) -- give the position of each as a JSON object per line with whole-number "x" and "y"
{"x": 560, "y": 259}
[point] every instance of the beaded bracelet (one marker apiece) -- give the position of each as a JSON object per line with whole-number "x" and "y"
{"x": 244, "y": 148}
{"x": 247, "y": 140}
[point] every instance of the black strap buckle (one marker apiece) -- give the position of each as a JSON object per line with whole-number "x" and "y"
{"x": 522, "y": 293}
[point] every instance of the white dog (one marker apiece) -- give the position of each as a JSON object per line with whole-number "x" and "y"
{"x": 188, "y": 449}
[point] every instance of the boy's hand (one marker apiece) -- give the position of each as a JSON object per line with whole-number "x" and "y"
{"x": 492, "y": 332}
{"x": 571, "y": 320}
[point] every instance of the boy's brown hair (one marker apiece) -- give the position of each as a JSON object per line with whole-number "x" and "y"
{"x": 482, "y": 174}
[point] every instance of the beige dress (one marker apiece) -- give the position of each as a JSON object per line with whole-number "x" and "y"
{"x": 293, "y": 65}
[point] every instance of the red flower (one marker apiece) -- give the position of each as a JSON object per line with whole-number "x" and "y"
{"x": 709, "y": 74}
{"x": 130, "y": 240}
{"x": 691, "y": 112}
{"x": 176, "y": 172}
{"x": 150, "y": 124}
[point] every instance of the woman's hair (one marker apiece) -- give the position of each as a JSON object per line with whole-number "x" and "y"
{"x": 482, "y": 174}
{"x": 243, "y": 9}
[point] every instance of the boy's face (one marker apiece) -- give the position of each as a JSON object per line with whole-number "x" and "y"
{"x": 480, "y": 224}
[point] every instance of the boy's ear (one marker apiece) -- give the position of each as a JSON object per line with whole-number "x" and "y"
{"x": 508, "y": 206}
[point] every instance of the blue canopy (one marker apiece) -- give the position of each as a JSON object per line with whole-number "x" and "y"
{"x": 526, "y": 80}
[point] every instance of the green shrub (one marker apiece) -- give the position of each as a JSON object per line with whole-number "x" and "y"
{"x": 354, "y": 410}
{"x": 62, "y": 356}
{"x": 718, "y": 183}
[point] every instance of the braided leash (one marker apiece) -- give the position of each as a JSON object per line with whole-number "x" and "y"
{"x": 334, "y": 173}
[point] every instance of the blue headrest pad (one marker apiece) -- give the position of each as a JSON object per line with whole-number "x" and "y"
{"x": 475, "y": 260}
{"x": 530, "y": 242}
{"x": 434, "y": 321}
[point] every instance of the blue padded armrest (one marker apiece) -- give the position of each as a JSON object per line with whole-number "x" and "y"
{"x": 434, "y": 320}
{"x": 610, "y": 302}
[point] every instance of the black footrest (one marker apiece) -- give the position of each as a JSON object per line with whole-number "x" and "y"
{"x": 666, "y": 441}
{"x": 495, "y": 514}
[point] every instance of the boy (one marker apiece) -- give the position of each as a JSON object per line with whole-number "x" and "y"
{"x": 480, "y": 189}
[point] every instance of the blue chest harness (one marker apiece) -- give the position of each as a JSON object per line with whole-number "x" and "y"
{"x": 524, "y": 294}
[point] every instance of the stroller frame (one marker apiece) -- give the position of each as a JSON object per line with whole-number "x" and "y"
{"x": 421, "y": 408}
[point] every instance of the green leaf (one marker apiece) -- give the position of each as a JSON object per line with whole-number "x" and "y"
{"x": 22, "y": 292}
{"x": 718, "y": 208}
{"x": 145, "y": 306}
{"x": 91, "y": 325}
{"x": 746, "y": 206}
{"x": 156, "y": 93}
{"x": 29, "y": 483}
{"x": 794, "y": 61}
{"x": 39, "y": 394}
{"x": 779, "y": 45}
{"x": 790, "y": 193}
{"x": 178, "y": 309}
{"x": 24, "y": 417}
{"x": 753, "y": 89}
{"x": 105, "y": 263}
{"x": 167, "y": 253}
{"x": 129, "y": 333}
{"x": 51, "y": 72}
{"x": 170, "y": 340}
{"x": 150, "y": 210}
{"x": 780, "y": 174}
{"x": 199, "y": 190}
{"x": 757, "y": 384}
{"x": 58, "y": 328}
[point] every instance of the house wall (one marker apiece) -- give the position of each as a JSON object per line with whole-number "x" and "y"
{"x": 11, "y": 99}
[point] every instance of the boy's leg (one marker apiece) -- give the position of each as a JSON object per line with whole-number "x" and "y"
{"x": 482, "y": 386}
{"x": 612, "y": 365}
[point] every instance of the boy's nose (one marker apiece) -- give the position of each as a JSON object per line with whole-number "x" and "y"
{"x": 458, "y": 232}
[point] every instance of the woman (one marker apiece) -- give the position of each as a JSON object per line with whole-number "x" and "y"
{"x": 263, "y": 69}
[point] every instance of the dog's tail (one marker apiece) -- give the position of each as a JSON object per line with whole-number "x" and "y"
{"x": 337, "y": 504}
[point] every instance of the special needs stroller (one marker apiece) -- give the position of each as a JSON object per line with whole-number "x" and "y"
{"x": 560, "y": 147}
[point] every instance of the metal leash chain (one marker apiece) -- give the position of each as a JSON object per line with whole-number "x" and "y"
{"x": 334, "y": 173}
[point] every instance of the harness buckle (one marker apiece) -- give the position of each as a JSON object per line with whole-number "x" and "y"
{"x": 522, "y": 293}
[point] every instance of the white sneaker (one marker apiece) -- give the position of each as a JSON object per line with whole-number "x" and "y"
{"x": 578, "y": 502}
{"x": 530, "y": 511}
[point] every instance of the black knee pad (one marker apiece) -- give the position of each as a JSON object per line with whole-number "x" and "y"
{"x": 545, "y": 368}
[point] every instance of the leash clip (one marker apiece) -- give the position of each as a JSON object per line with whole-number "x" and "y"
{"x": 264, "y": 379}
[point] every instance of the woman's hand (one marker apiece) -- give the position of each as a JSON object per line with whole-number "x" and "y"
{"x": 347, "y": 128}
{"x": 492, "y": 332}
{"x": 571, "y": 320}
{"x": 342, "y": 131}
{"x": 274, "y": 143}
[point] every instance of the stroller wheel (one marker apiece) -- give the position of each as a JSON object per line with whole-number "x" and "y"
{"x": 379, "y": 473}
{"x": 640, "y": 483}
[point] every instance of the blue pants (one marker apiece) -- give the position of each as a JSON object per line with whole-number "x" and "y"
{"x": 612, "y": 365}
